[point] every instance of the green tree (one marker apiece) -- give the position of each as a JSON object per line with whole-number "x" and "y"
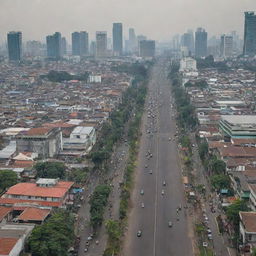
{"x": 113, "y": 230}
{"x": 98, "y": 202}
{"x": 50, "y": 170}
{"x": 233, "y": 210}
{"x": 8, "y": 178}
{"x": 217, "y": 166}
{"x": 220, "y": 181}
{"x": 203, "y": 150}
{"x": 54, "y": 237}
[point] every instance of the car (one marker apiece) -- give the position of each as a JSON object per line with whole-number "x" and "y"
{"x": 209, "y": 231}
{"x": 162, "y": 192}
{"x": 169, "y": 138}
{"x": 164, "y": 183}
{"x": 139, "y": 233}
{"x": 210, "y": 236}
{"x": 142, "y": 205}
{"x": 89, "y": 238}
{"x": 146, "y": 166}
{"x": 205, "y": 244}
{"x": 150, "y": 171}
{"x": 142, "y": 192}
{"x": 169, "y": 224}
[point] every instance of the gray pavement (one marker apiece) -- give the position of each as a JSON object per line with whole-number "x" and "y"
{"x": 157, "y": 238}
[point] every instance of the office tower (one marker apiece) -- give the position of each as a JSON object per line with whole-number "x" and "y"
{"x": 33, "y": 48}
{"x": 14, "y": 41}
{"x": 63, "y": 46}
{"x": 200, "y": 43}
{"x": 93, "y": 49}
{"x": 117, "y": 34}
{"x": 54, "y": 45}
{"x": 226, "y": 46}
{"x": 176, "y": 42}
{"x": 188, "y": 41}
{"x": 76, "y": 43}
{"x": 147, "y": 48}
{"x": 101, "y": 44}
{"x": 132, "y": 40}
{"x": 84, "y": 43}
{"x": 249, "y": 34}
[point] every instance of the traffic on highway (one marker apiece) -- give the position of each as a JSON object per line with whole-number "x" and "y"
{"x": 158, "y": 221}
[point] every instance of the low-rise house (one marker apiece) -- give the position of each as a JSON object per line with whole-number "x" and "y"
{"x": 248, "y": 228}
{"x": 13, "y": 237}
{"x": 45, "y": 192}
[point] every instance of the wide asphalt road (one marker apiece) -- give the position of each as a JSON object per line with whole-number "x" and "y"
{"x": 160, "y": 201}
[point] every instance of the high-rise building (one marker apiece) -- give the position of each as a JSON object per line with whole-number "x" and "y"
{"x": 93, "y": 48}
{"x": 249, "y": 34}
{"x": 117, "y": 33}
{"x": 101, "y": 44}
{"x": 226, "y": 46}
{"x": 76, "y": 43}
{"x": 63, "y": 46}
{"x": 147, "y": 48}
{"x": 33, "y": 48}
{"x": 54, "y": 45}
{"x": 84, "y": 43}
{"x": 14, "y": 41}
{"x": 200, "y": 43}
{"x": 132, "y": 40}
{"x": 188, "y": 41}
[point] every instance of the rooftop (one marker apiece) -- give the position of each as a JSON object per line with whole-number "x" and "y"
{"x": 31, "y": 189}
{"x": 6, "y": 245}
{"x": 249, "y": 221}
{"x": 240, "y": 119}
{"x": 34, "y": 214}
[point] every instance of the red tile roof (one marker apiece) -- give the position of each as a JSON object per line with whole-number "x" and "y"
{"x": 37, "y": 131}
{"x": 6, "y": 245}
{"x": 4, "y": 211}
{"x": 31, "y": 189}
{"x": 34, "y": 214}
{"x": 249, "y": 221}
{"x": 13, "y": 201}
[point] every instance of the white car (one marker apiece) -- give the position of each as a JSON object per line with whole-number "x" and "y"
{"x": 162, "y": 192}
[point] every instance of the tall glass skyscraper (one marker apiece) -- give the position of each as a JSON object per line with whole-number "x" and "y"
{"x": 249, "y": 34}
{"x": 118, "y": 38}
{"x": 14, "y": 41}
{"x": 200, "y": 43}
{"x": 54, "y": 45}
{"x": 101, "y": 44}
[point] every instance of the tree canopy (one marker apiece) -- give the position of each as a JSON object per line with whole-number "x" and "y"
{"x": 54, "y": 237}
{"x": 50, "y": 170}
{"x": 98, "y": 202}
{"x": 217, "y": 166}
{"x": 233, "y": 212}
{"x": 220, "y": 181}
{"x": 8, "y": 178}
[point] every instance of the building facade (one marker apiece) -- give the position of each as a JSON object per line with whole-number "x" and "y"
{"x": 200, "y": 43}
{"x": 226, "y": 46}
{"x": 47, "y": 142}
{"x": 147, "y": 48}
{"x": 101, "y": 44}
{"x": 249, "y": 34}
{"x": 14, "y": 41}
{"x": 117, "y": 38}
{"x": 54, "y": 46}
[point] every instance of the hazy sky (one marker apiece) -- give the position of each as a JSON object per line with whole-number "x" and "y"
{"x": 157, "y": 19}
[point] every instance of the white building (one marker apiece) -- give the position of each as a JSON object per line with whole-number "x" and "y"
{"x": 187, "y": 65}
{"x": 248, "y": 227}
{"x": 81, "y": 139}
{"x": 94, "y": 79}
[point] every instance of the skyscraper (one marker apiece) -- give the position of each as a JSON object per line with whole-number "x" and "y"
{"x": 76, "y": 43}
{"x": 84, "y": 43}
{"x": 117, "y": 38}
{"x": 249, "y": 34}
{"x": 54, "y": 45}
{"x": 14, "y": 41}
{"x": 147, "y": 48}
{"x": 188, "y": 41}
{"x": 226, "y": 46}
{"x": 132, "y": 40}
{"x": 101, "y": 44}
{"x": 63, "y": 46}
{"x": 200, "y": 43}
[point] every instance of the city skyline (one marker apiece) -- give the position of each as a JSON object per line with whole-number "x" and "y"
{"x": 155, "y": 22}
